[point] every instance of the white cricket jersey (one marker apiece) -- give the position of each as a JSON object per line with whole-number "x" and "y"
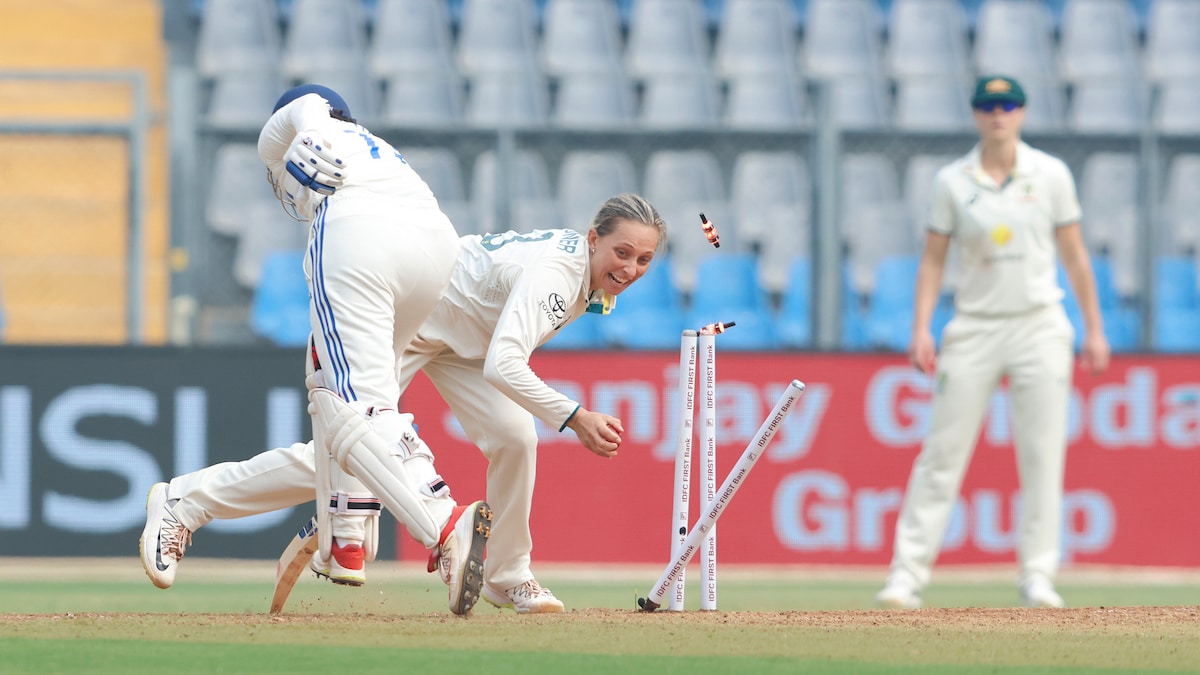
{"x": 1005, "y": 233}
{"x": 510, "y": 293}
{"x": 372, "y": 163}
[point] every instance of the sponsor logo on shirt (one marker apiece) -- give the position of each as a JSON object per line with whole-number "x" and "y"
{"x": 1001, "y": 234}
{"x": 555, "y": 308}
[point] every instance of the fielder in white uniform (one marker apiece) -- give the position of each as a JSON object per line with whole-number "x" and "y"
{"x": 380, "y": 253}
{"x": 1010, "y": 208}
{"x": 509, "y": 293}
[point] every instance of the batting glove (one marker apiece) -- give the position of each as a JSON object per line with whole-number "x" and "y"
{"x": 311, "y": 162}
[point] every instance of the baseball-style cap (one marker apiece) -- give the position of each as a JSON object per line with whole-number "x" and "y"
{"x": 997, "y": 89}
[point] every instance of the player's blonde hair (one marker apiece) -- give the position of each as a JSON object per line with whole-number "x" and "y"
{"x": 629, "y": 206}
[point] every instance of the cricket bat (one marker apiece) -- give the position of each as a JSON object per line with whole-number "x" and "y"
{"x": 293, "y": 562}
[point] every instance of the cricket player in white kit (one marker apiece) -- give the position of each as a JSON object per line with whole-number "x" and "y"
{"x": 509, "y": 293}
{"x": 1010, "y": 208}
{"x": 380, "y": 253}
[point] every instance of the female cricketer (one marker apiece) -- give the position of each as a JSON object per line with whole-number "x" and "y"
{"x": 1010, "y": 208}
{"x": 509, "y": 293}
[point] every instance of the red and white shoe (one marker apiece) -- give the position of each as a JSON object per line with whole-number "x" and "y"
{"x": 345, "y": 566}
{"x": 458, "y": 557}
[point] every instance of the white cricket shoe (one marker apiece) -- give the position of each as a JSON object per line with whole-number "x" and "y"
{"x": 528, "y": 598}
{"x": 1039, "y": 592}
{"x": 345, "y": 566}
{"x": 164, "y": 539}
{"x": 458, "y": 557}
{"x": 898, "y": 595}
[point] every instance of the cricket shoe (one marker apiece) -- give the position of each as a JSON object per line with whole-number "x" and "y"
{"x": 164, "y": 539}
{"x": 1039, "y": 592}
{"x": 345, "y": 565}
{"x": 458, "y": 557}
{"x": 898, "y": 595}
{"x": 528, "y": 598}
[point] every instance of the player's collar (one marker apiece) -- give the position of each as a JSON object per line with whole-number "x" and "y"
{"x": 601, "y": 302}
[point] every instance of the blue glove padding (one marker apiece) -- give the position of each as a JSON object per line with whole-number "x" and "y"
{"x": 308, "y": 181}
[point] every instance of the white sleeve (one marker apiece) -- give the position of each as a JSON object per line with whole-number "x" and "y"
{"x": 941, "y": 206}
{"x": 527, "y": 319}
{"x": 303, "y": 114}
{"x": 1064, "y": 200}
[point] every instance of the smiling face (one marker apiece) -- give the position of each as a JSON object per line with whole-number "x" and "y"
{"x": 621, "y": 256}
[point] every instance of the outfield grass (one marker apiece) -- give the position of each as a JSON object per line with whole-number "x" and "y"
{"x": 56, "y": 620}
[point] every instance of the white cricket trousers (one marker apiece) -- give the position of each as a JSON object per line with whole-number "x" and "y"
{"x": 377, "y": 266}
{"x": 1035, "y": 351}
{"x": 284, "y": 477}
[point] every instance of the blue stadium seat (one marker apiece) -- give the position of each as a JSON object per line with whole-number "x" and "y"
{"x": 279, "y": 311}
{"x": 1176, "y": 305}
{"x": 794, "y": 322}
{"x": 582, "y": 333}
{"x": 854, "y": 313}
{"x": 727, "y": 290}
{"x": 889, "y": 316}
{"x": 648, "y": 315}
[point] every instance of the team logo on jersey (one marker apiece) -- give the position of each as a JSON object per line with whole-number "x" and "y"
{"x": 1001, "y": 234}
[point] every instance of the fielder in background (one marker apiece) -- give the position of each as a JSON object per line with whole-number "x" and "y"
{"x": 1010, "y": 208}
{"x": 509, "y": 293}
{"x": 380, "y": 253}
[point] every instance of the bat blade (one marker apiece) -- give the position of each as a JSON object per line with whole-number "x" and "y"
{"x": 292, "y": 563}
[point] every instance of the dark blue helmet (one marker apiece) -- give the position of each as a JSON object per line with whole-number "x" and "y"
{"x": 336, "y": 102}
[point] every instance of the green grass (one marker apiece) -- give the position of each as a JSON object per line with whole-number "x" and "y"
{"x": 788, "y": 623}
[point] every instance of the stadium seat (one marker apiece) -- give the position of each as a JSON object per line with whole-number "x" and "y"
{"x": 324, "y": 34}
{"x": 239, "y": 180}
{"x": 279, "y": 311}
{"x": 666, "y": 37}
{"x": 649, "y": 314}
{"x": 1178, "y": 107}
{"x": 527, "y": 180}
{"x": 1173, "y": 40}
{"x": 681, "y": 100}
{"x": 1015, "y": 36}
{"x": 587, "y": 178}
{"x": 582, "y": 333}
{"x": 928, "y": 38}
{"x": 1108, "y": 106}
{"x": 410, "y": 37}
{"x": 842, "y": 38}
{"x": 681, "y": 184}
{"x": 859, "y": 103}
{"x": 771, "y": 199}
{"x": 517, "y": 97}
{"x": 596, "y": 99}
{"x": 1099, "y": 39}
{"x": 580, "y": 36}
{"x": 243, "y": 99}
{"x": 1108, "y": 194}
{"x": 793, "y": 324}
{"x": 1181, "y": 207}
{"x": 756, "y": 37}
{"x": 890, "y": 312}
{"x": 919, "y": 175}
{"x": 928, "y": 103}
{"x": 267, "y": 230}
{"x": 1176, "y": 305}
{"x": 429, "y": 98}
{"x": 1045, "y": 110}
{"x": 441, "y": 171}
{"x": 727, "y": 290}
{"x": 765, "y": 101}
{"x": 238, "y": 35}
{"x": 497, "y": 35}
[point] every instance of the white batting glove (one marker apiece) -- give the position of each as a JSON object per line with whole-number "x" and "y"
{"x": 312, "y": 163}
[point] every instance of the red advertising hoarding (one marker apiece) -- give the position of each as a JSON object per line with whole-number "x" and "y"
{"x": 828, "y": 487}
